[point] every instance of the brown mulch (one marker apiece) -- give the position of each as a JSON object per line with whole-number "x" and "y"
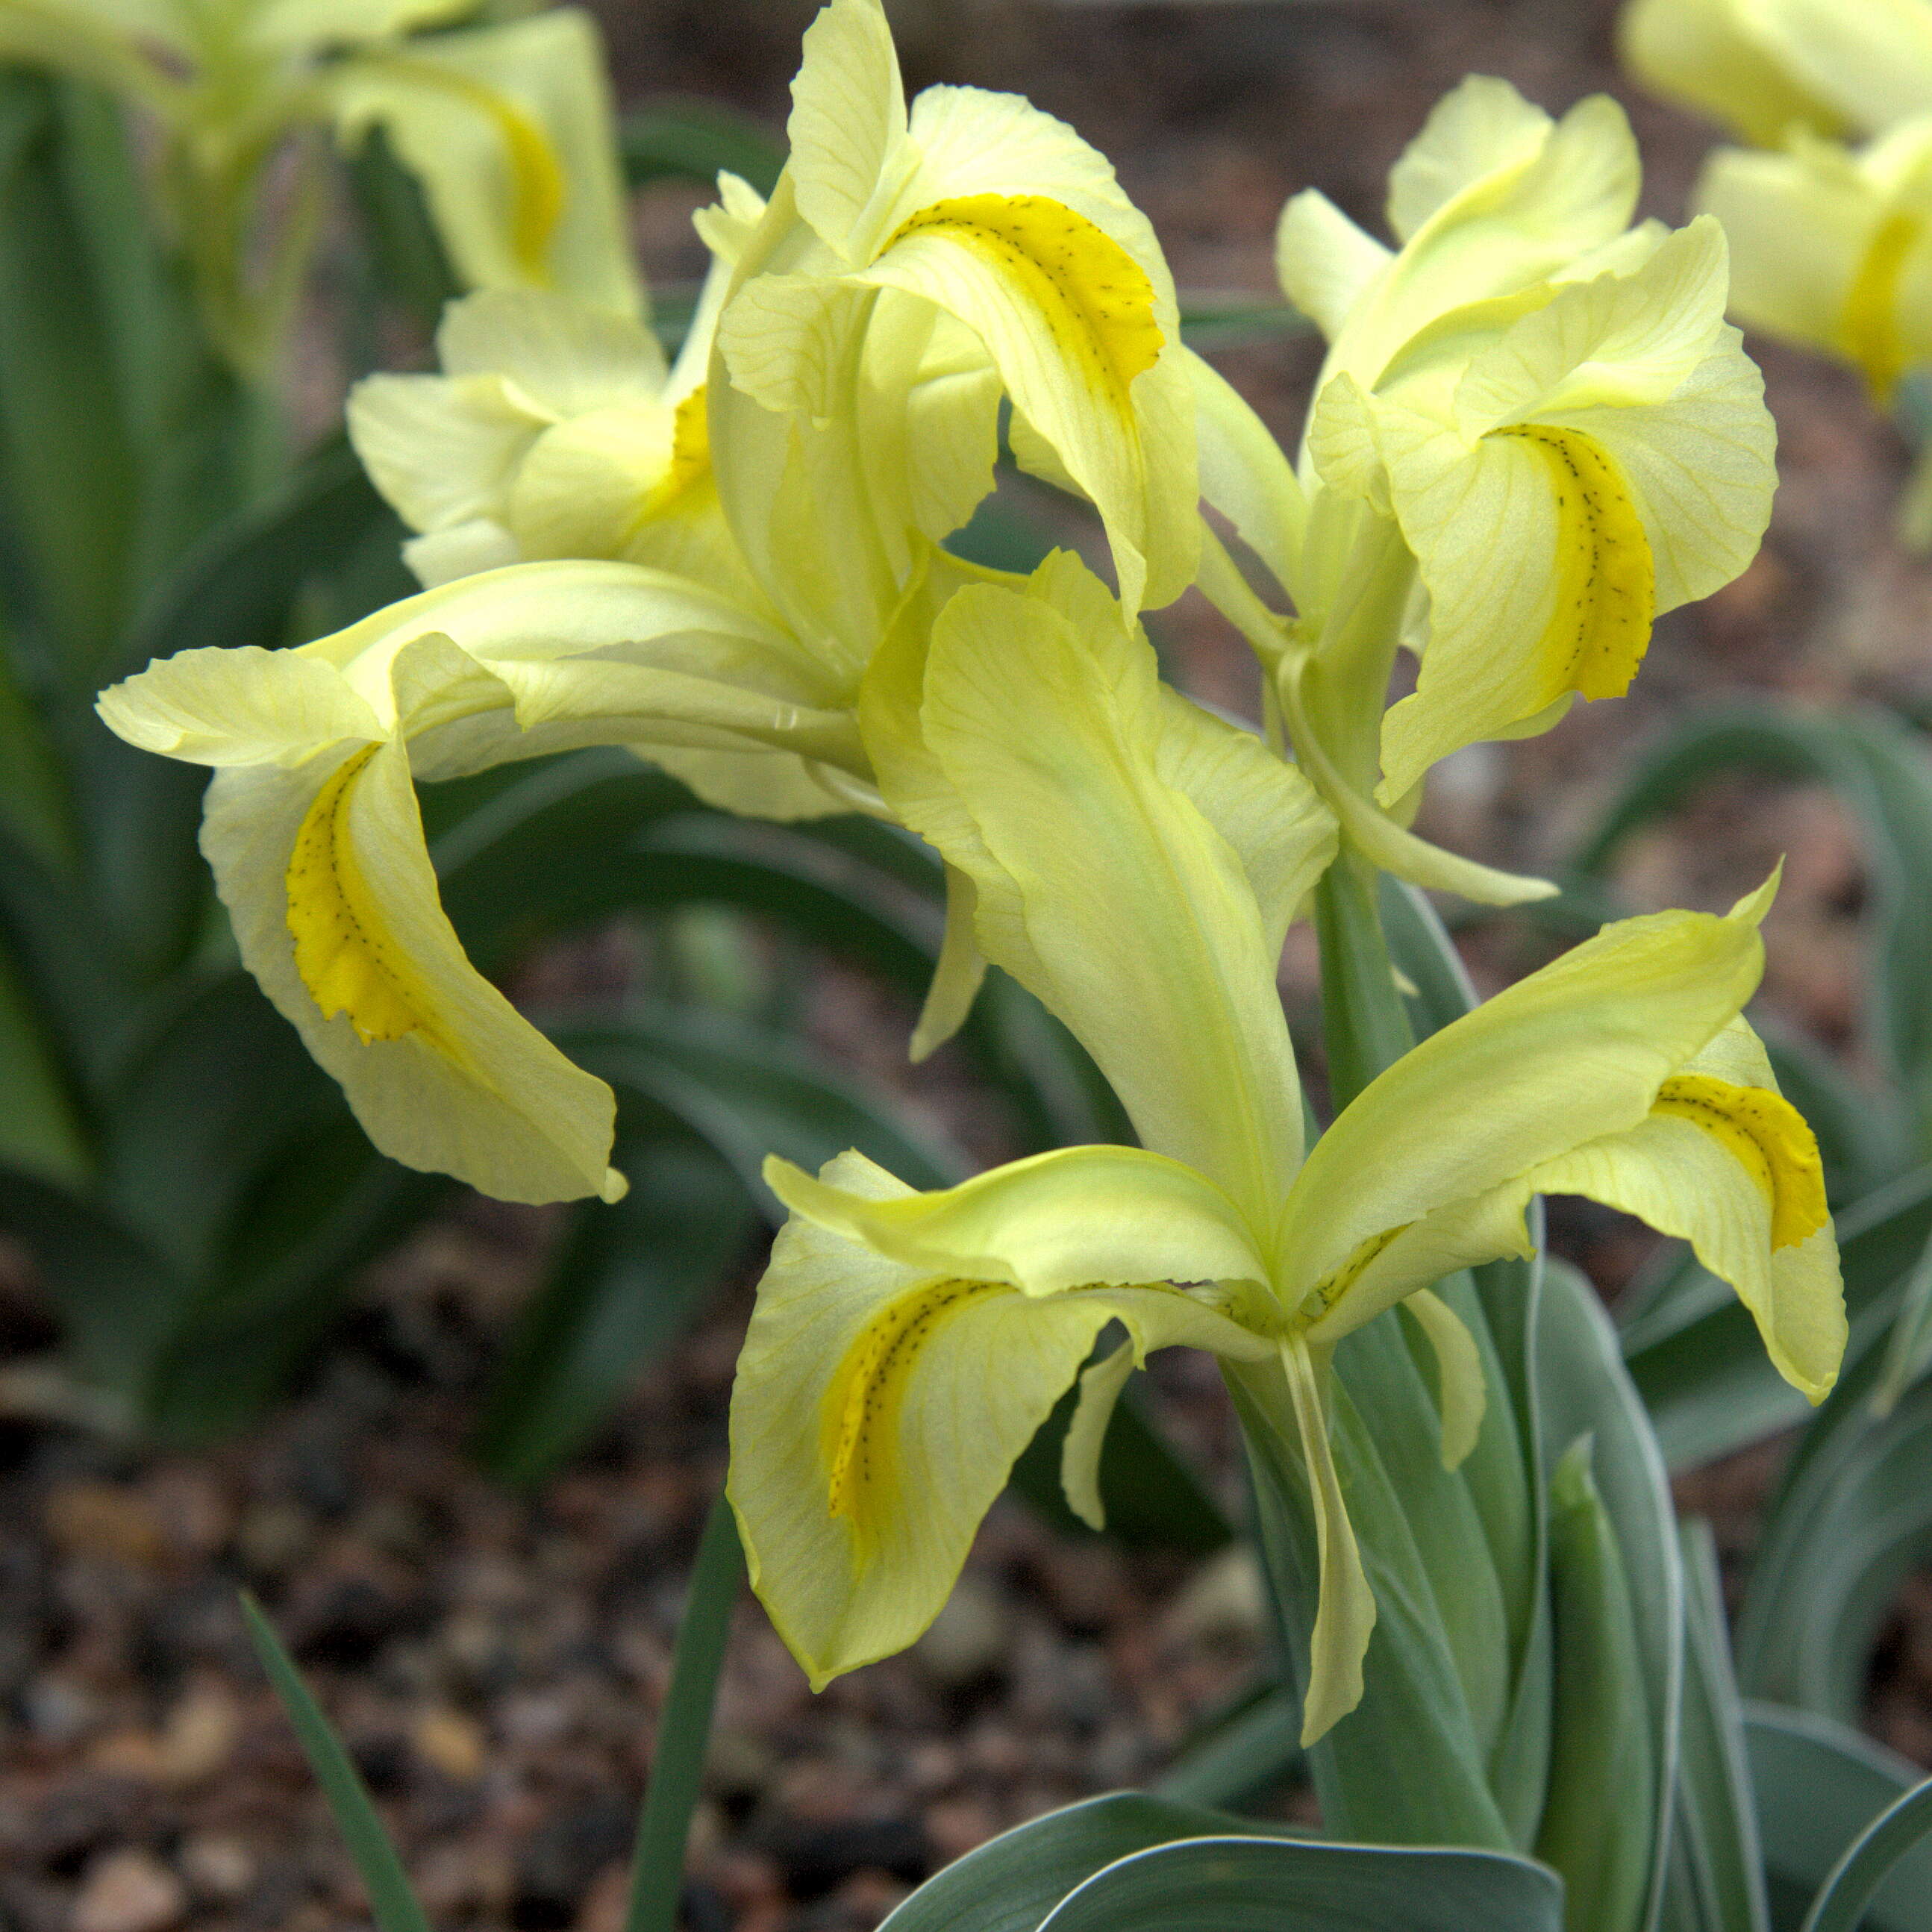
{"x": 496, "y": 1662}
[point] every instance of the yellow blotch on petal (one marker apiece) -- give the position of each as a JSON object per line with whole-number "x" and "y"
{"x": 1868, "y": 329}
{"x": 859, "y": 1439}
{"x": 1769, "y": 1138}
{"x": 1605, "y": 578}
{"x": 690, "y": 457}
{"x": 537, "y": 186}
{"x": 1095, "y": 299}
{"x": 343, "y": 952}
{"x": 1331, "y": 1289}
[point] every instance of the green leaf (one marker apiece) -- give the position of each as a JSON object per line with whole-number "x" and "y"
{"x": 40, "y": 1132}
{"x": 1908, "y": 1347}
{"x": 112, "y": 1293}
{"x": 1363, "y": 1020}
{"x": 1871, "y": 1860}
{"x": 684, "y": 1726}
{"x": 1818, "y": 1787}
{"x": 221, "y": 1085}
{"x": 629, "y": 1280}
{"x": 391, "y": 1899}
{"x": 748, "y": 1091}
{"x": 1852, "y": 1519}
{"x": 1011, "y": 1882}
{"x": 71, "y": 470}
{"x": 1214, "y": 320}
{"x": 36, "y": 804}
{"x": 1251, "y": 1885}
{"x": 1600, "y": 1827}
{"x": 321, "y": 1206}
{"x": 691, "y": 140}
{"x": 1584, "y": 1393}
{"x": 1717, "y": 1874}
{"x": 1250, "y": 1753}
{"x": 404, "y": 247}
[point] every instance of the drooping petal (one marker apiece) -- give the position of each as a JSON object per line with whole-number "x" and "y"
{"x": 1577, "y": 1050}
{"x": 1100, "y": 1387}
{"x": 510, "y": 131}
{"x": 1724, "y": 1161}
{"x": 1461, "y": 1393}
{"x": 1136, "y": 861}
{"x": 1539, "y": 575}
{"x": 1076, "y": 327}
{"x": 1016, "y": 226}
{"x": 876, "y": 1413}
{"x": 442, "y": 450}
{"x": 333, "y": 902}
{"x": 1344, "y": 1615}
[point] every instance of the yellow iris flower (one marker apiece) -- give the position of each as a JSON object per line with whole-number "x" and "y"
{"x": 977, "y": 215}
{"x": 1767, "y": 66}
{"x": 312, "y": 830}
{"x": 508, "y": 129}
{"x": 1533, "y": 432}
{"x": 1136, "y": 862}
{"x": 555, "y": 430}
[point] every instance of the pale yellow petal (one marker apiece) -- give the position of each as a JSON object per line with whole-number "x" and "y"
{"x": 1068, "y": 1218}
{"x": 1462, "y": 1394}
{"x": 241, "y": 706}
{"x": 1323, "y": 261}
{"x": 847, "y": 128}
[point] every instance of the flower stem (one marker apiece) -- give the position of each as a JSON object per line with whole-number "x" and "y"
{"x": 1364, "y": 1023}
{"x": 684, "y": 1727}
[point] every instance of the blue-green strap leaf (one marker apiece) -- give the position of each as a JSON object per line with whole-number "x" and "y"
{"x": 1254, "y": 1884}
{"x": 1818, "y": 1787}
{"x": 1871, "y": 1860}
{"x": 1011, "y": 1882}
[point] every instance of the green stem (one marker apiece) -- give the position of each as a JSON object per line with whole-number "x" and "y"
{"x": 1364, "y": 1023}
{"x": 684, "y": 1727}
